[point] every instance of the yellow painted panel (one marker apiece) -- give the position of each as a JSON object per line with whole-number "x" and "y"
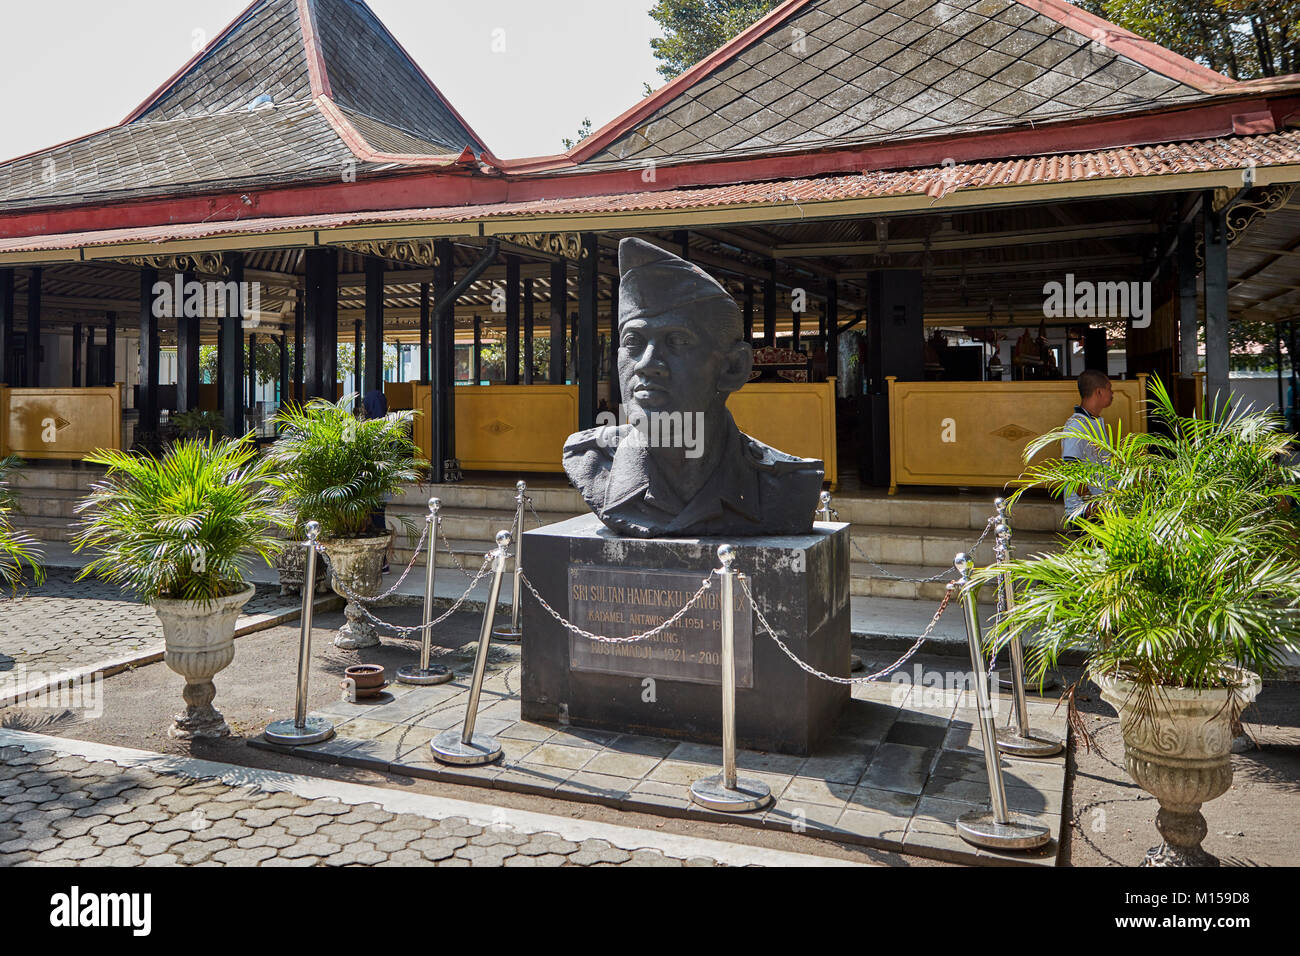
{"x": 61, "y": 423}
{"x": 399, "y": 395}
{"x": 797, "y": 418}
{"x": 506, "y": 427}
{"x": 974, "y": 433}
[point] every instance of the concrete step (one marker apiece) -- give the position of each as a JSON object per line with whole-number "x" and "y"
{"x": 938, "y": 511}
{"x": 934, "y": 548}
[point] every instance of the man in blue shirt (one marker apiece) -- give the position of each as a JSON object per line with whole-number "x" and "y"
{"x": 1095, "y": 397}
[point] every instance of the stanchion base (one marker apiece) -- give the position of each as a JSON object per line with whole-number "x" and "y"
{"x": 447, "y": 747}
{"x": 507, "y": 632}
{"x": 1018, "y": 833}
{"x": 422, "y": 676}
{"x": 286, "y": 732}
{"x": 748, "y": 796}
{"x": 1031, "y": 687}
{"x": 1037, "y": 744}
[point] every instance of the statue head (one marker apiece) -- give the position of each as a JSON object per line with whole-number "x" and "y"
{"x": 681, "y": 345}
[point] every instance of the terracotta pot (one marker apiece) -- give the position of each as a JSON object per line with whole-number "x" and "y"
{"x": 369, "y": 679}
{"x": 292, "y": 565}
{"x": 200, "y": 642}
{"x": 357, "y": 565}
{"x": 1181, "y": 756}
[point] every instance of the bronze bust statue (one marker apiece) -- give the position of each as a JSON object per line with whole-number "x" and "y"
{"x": 677, "y": 466}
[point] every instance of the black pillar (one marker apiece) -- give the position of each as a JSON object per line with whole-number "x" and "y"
{"x": 187, "y": 354}
{"x": 1189, "y": 356}
{"x": 232, "y": 347}
{"x": 588, "y": 300}
{"x": 749, "y": 311}
{"x": 426, "y": 351}
{"x": 76, "y": 355}
{"x": 559, "y": 307}
{"x": 148, "y": 352}
{"x": 615, "y": 386}
{"x": 895, "y": 311}
{"x": 442, "y": 418}
{"x": 298, "y": 310}
{"x": 833, "y": 330}
{"x": 358, "y": 346}
{"x": 93, "y": 373}
{"x": 528, "y": 331}
{"x": 1216, "y": 303}
{"x": 6, "y": 326}
{"x": 512, "y": 320}
{"x": 321, "y": 323}
{"x": 683, "y": 239}
{"x": 373, "y": 377}
{"x": 110, "y": 347}
{"x": 34, "y": 327}
{"x": 769, "y": 306}
{"x": 476, "y": 358}
{"x": 282, "y": 385}
{"x": 252, "y": 370}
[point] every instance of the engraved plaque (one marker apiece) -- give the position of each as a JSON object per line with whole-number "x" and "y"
{"x": 618, "y": 602}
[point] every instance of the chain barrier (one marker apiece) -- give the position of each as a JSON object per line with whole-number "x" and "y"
{"x": 600, "y": 638}
{"x": 455, "y": 558}
{"x": 869, "y": 678}
{"x": 934, "y": 577}
{"x": 415, "y": 554}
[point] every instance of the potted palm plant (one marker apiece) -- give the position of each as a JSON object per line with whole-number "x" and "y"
{"x": 337, "y": 470}
{"x": 19, "y": 552}
{"x": 1181, "y": 586}
{"x": 179, "y": 530}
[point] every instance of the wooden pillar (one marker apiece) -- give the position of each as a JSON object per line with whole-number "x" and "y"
{"x": 92, "y": 373}
{"x": 833, "y": 330}
{"x": 512, "y": 320}
{"x": 442, "y": 364}
{"x": 34, "y": 326}
{"x": 1216, "y": 303}
{"x": 232, "y": 346}
{"x": 749, "y": 311}
{"x": 615, "y": 386}
{"x": 588, "y": 303}
{"x": 559, "y": 307}
{"x": 77, "y": 362}
{"x": 252, "y": 369}
{"x": 683, "y": 239}
{"x": 148, "y": 354}
{"x": 373, "y": 368}
{"x": 187, "y": 354}
{"x": 110, "y": 346}
{"x": 426, "y": 348}
{"x": 769, "y": 305}
{"x": 359, "y": 346}
{"x": 321, "y": 324}
{"x": 528, "y": 331}
{"x": 476, "y": 358}
{"x": 6, "y": 327}
{"x": 297, "y": 347}
{"x": 282, "y": 385}
{"x": 1188, "y": 357}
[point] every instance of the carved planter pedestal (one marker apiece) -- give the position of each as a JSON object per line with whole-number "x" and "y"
{"x": 200, "y": 642}
{"x": 292, "y": 565}
{"x": 1182, "y": 757}
{"x": 357, "y": 565}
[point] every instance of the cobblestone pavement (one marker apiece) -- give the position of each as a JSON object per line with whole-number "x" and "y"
{"x": 60, "y": 808}
{"x": 67, "y": 625}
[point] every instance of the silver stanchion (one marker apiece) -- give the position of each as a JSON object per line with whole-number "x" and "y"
{"x": 825, "y": 512}
{"x": 464, "y": 747}
{"x": 512, "y": 631}
{"x": 996, "y": 828}
{"x": 725, "y": 791}
{"x": 1016, "y": 682}
{"x": 1019, "y": 741}
{"x": 426, "y": 673}
{"x": 303, "y": 729}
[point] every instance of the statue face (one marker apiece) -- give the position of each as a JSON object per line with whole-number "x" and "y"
{"x": 666, "y": 365}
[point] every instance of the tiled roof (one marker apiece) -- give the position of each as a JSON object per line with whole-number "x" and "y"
{"x": 841, "y": 72}
{"x": 1228, "y": 153}
{"x": 198, "y": 132}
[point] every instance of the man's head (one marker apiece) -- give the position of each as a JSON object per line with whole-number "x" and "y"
{"x": 680, "y": 333}
{"x": 1094, "y": 391}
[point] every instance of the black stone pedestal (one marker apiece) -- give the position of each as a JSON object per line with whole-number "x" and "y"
{"x": 671, "y": 685}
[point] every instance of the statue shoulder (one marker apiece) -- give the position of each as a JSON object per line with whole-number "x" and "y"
{"x": 768, "y": 459}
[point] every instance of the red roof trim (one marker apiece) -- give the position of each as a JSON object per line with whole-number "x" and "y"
{"x": 193, "y": 61}
{"x": 621, "y": 124}
{"x": 1144, "y": 51}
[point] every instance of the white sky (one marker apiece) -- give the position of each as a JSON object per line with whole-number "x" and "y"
{"x": 71, "y": 67}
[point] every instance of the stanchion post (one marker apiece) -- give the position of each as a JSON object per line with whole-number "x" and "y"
{"x": 426, "y": 674}
{"x": 303, "y": 729}
{"x": 463, "y": 747}
{"x": 1008, "y": 684}
{"x": 996, "y": 828}
{"x": 1020, "y": 742}
{"x": 513, "y": 631}
{"x": 725, "y": 791}
{"x": 825, "y": 512}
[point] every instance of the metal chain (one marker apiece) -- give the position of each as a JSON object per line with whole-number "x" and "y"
{"x": 536, "y": 516}
{"x": 454, "y": 558}
{"x": 415, "y": 554}
{"x": 573, "y": 628}
{"x": 934, "y": 577}
{"x": 808, "y": 668}
{"x": 402, "y": 630}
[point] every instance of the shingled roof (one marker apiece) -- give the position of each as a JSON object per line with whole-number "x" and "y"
{"x": 341, "y": 91}
{"x": 826, "y": 73}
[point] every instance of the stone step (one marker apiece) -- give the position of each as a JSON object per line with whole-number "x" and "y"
{"x": 935, "y": 548}
{"x": 936, "y": 511}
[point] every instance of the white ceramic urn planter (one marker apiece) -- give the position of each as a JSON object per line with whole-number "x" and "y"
{"x": 200, "y": 642}
{"x": 357, "y": 565}
{"x": 1182, "y": 756}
